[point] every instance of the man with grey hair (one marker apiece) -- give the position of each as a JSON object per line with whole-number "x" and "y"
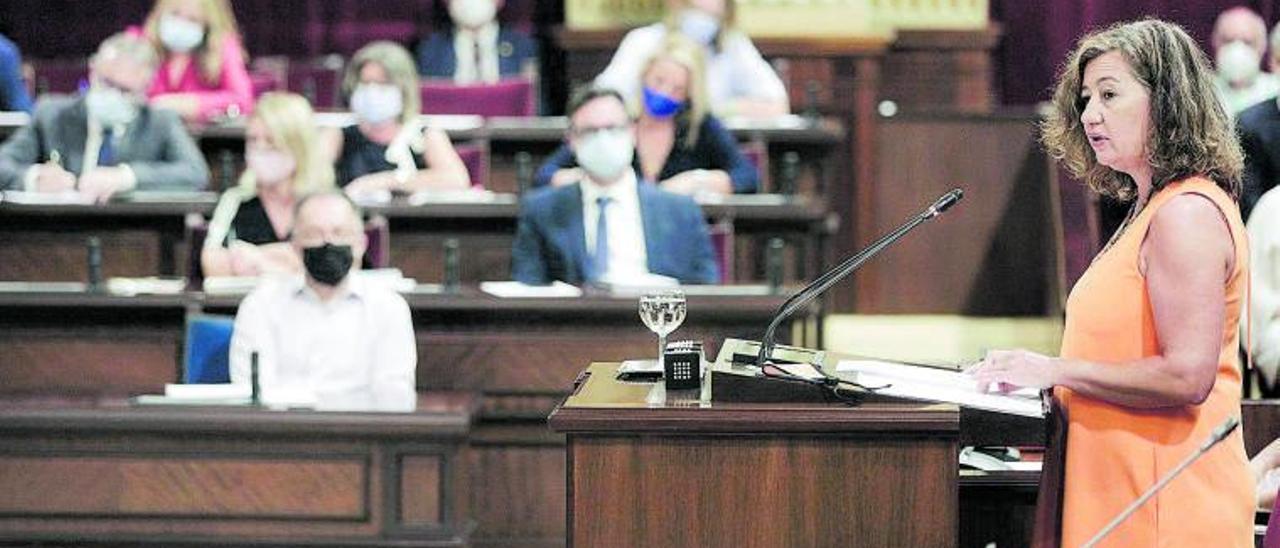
{"x": 1239, "y": 44}
{"x": 107, "y": 141}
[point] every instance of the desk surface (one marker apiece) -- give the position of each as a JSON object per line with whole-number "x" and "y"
{"x": 438, "y": 415}
{"x": 601, "y": 403}
{"x": 765, "y": 207}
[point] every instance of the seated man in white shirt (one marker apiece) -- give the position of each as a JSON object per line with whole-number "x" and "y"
{"x": 330, "y": 339}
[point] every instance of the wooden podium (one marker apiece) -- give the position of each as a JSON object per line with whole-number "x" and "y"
{"x": 647, "y": 468}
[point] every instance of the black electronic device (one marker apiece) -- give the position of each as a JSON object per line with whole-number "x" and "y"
{"x": 682, "y": 365}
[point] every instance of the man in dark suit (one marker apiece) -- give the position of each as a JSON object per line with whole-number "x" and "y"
{"x": 107, "y": 141}
{"x": 609, "y": 227}
{"x": 477, "y": 48}
{"x": 1259, "y": 127}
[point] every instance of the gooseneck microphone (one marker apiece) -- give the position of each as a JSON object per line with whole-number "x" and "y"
{"x": 1220, "y": 433}
{"x": 824, "y": 282}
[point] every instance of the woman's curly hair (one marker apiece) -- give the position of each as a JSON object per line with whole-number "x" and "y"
{"x": 1191, "y": 132}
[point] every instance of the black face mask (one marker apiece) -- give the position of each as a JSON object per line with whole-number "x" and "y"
{"x": 328, "y": 263}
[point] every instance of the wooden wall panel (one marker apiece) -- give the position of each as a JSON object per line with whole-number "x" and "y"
{"x": 63, "y": 256}
{"x": 992, "y": 254}
{"x": 676, "y": 479}
{"x": 135, "y": 486}
{"x": 420, "y": 483}
{"x": 522, "y": 495}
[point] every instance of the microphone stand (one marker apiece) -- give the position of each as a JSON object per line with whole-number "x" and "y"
{"x": 1219, "y": 434}
{"x": 824, "y": 282}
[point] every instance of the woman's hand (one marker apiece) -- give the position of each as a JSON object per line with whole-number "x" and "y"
{"x": 1008, "y": 370}
{"x": 371, "y": 183}
{"x": 246, "y": 259}
{"x": 185, "y": 104}
{"x": 1266, "y": 474}
{"x": 694, "y": 181}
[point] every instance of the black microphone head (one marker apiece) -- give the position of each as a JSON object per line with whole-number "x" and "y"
{"x": 945, "y": 202}
{"x": 949, "y": 199}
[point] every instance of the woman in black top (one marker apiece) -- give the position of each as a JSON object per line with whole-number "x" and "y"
{"x": 388, "y": 149}
{"x": 250, "y": 227}
{"x": 679, "y": 144}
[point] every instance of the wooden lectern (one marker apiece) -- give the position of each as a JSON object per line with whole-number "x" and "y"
{"x": 647, "y": 468}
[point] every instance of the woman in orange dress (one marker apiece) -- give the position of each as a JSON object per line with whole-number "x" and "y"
{"x": 1148, "y": 366}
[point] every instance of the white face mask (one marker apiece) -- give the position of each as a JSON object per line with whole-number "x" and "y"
{"x": 472, "y": 13}
{"x": 110, "y": 106}
{"x": 180, "y": 35}
{"x": 1237, "y": 62}
{"x": 699, "y": 26}
{"x": 376, "y": 103}
{"x": 270, "y": 167}
{"x": 604, "y": 154}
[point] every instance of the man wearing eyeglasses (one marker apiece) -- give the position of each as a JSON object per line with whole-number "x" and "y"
{"x": 609, "y": 228}
{"x": 107, "y": 141}
{"x": 329, "y": 339}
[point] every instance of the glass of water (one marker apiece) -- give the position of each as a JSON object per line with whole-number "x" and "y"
{"x": 662, "y": 312}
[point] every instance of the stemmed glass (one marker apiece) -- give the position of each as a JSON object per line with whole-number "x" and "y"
{"x": 662, "y": 312}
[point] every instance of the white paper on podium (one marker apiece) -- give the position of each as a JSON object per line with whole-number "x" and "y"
{"x": 931, "y": 384}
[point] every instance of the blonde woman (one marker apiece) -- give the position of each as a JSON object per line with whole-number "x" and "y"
{"x": 250, "y": 229}
{"x": 679, "y": 144}
{"x": 202, "y": 74}
{"x": 389, "y": 149}
{"x": 739, "y": 81}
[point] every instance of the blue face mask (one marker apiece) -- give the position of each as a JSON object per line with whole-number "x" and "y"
{"x": 659, "y": 105}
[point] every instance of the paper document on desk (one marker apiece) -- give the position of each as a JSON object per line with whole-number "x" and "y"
{"x": 151, "y": 285}
{"x": 469, "y": 196}
{"x": 510, "y": 290}
{"x": 931, "y": 384}
{"x": 198, "y": 394}
{"x": 69, "y": 197}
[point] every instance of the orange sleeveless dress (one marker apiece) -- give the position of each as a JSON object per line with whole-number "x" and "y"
{"x": 1115, "y": 453}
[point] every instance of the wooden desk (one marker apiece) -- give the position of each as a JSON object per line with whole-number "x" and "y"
{"x": 647, "y": 471}
{"x": 47, "y": 242}
{"x": 104, "y": 472}
{"x": 521, "y": 355}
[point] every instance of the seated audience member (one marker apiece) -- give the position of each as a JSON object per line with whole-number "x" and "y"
{"x": 679, "y": 144}
{"x": 329, "y": 338}
{"x": 1264, "y": 289}
{"x": 249, "y": 232}
{"x": 202, "y": 75}
{"x": 13, "y": 89}
{"x": 107, "y": 141}
{"x": 607, "y": 226}
{"x": 389, "y": 148}
{"x": 1259, "y": 128}
{"x": 739, "y": 81}
{"x": 476, "y": 49}
{"x": 1239, "y": 44}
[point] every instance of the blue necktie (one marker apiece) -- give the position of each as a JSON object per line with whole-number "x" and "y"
{"x": 600, "y": 258}
{"x": 107, "y": 152}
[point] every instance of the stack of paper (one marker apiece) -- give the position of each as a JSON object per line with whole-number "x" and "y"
{"x": 931, "y": 384}
{"x": 198, "y": 394}
{"x": 469, "y": 196}
{"x": 508, "y": 290}
{"x": 150, "y": 285}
